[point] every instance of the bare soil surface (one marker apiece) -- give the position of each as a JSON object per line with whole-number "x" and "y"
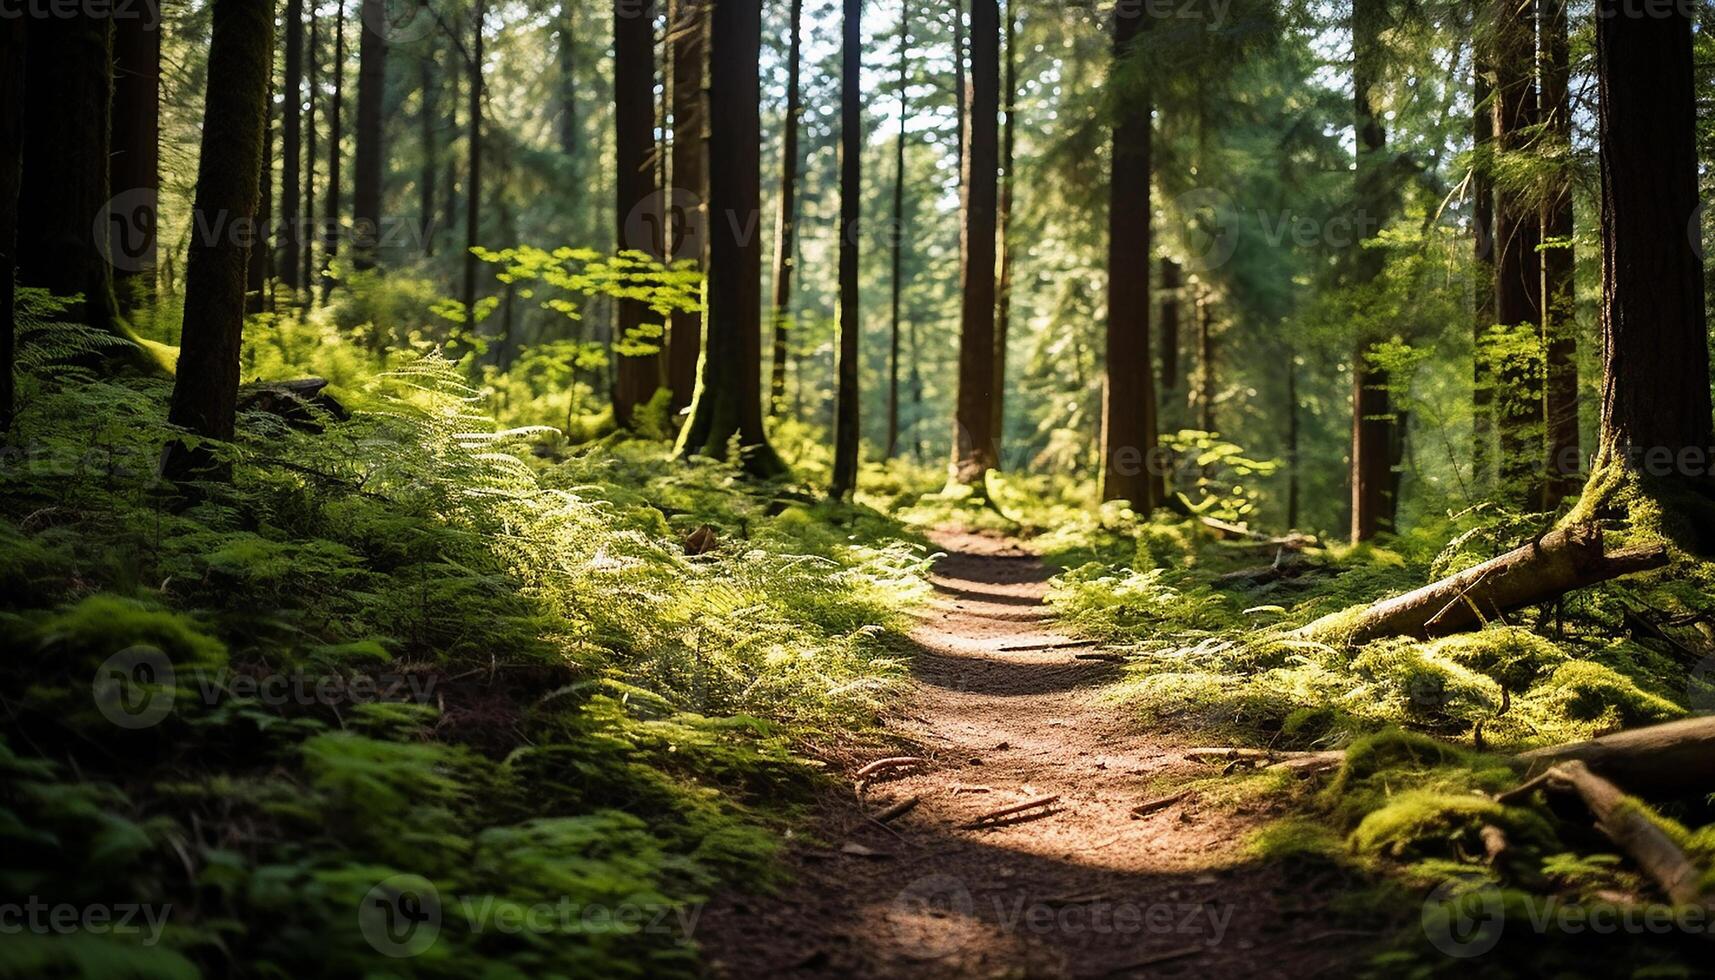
{"x": 1004, "y": 710}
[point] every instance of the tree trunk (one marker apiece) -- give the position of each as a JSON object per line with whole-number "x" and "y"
{"x": 1171, "y": 282}
{"x": 262, "y": 249}
{"x": 846, "y": 431}
{"x": 973, "y": 429}
{"x": 1128, "y": 404}
{"x": 1373, "y": 503}
{"x": 566, "y": 50}
{"x": 336, "y": 141}
{"x": 728, "y": 402}
{"x": 1557, "y": 563}
{"x": 65, "y": 176}
{"x": 961, "y": 88}
{"x": 1003, "y": 312}
{"x": 428, "y": 121}
{"x": 205, "y": 392}
{"x": 312, "y": 61}
{"x": 897, "y": 238}
{"x": 1655, "y": 380}
{"x": 688, "y": 21}
{"x": 473, "y": 166}
{"x": 1518, "y": 264}
{"x": 11, "y": 175}
{"x": 371, "y": 131}
{"x": 134, "y": 169}
{"x": 635, "y": 375}
{"x": 1483, "y": 245}
{"x": 786, "y": 220}
{"x": 1559, "y": 312}
{"x": 1291, "y": 440}
{"x": 291, "y": 149}
{"x": 450, "y": 205}
{"x": 1206, "y": 373}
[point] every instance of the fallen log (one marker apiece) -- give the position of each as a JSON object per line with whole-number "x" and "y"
{"x": 1552, "y": 565}
{"x": 301, "y": 402}
{"x": 1673, "y": 759}
{"x": 1633, "y": 831}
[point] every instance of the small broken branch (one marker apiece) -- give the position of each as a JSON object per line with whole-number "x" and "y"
{"x": 1145, "y": 809}
{"x": 1012, "y": 811}
{"x": 1057, "y": 645}
{"x": 896, "y": 810}
{"x": 896, "y": 762}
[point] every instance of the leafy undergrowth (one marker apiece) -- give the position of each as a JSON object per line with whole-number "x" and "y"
{"x": 1215, "y": 657}
{"x": 411, "y": 694}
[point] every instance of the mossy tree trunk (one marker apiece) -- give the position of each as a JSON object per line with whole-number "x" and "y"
{"x": 973, "y": 424}
{"x": 727, "y": 407}
{"x": 688, "y": 25}
{"x": 786, "y": 220}
{"x": 228, "y": 177}
{"x": 1655, "y": 412}
{"x": 846, "y": 432}
{"x": 1128, "y": 402}
{"x": 637, "y": 217}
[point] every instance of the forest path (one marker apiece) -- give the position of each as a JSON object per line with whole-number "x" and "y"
{"x": 1004, "y": 710}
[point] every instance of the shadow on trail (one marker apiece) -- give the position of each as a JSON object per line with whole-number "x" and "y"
{"x": 988, "y": 674}
{"x": 945, "y": 904}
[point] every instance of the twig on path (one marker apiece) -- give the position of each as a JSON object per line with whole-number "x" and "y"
{"x": 1145, "y": 809}
{"x": 1057, "y": 645}
{"x": 1112, "y": 658}
{"x": 895, "y": 833}
{"x": 896, "y": 810}
{"x": 895, "y": 762}
{"x": 1013, "y": 811}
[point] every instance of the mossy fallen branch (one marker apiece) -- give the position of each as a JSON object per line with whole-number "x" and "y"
{"x": 1556, "y": 563}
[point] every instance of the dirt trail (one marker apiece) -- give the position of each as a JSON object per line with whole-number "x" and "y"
{"x": 1005, "y": 710}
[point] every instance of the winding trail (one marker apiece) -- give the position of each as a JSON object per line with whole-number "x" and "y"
{"x": 1005, "y": 710}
